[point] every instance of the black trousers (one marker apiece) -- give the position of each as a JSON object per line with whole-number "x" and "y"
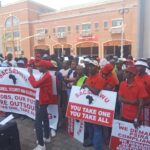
{"x": 41, "y": 122}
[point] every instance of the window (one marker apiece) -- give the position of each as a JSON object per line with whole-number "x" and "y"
{"x": 42, "y": 31}
{"x": 61, "y": 29}
{"x": 17, "y": 48}
{"x": 16, "y": 34}
{"x": 105, "y": 24}
{"x": 11, "y": 21}
{"x": 96, "y": 25}
{"x": 15, "y": 21}
{"x": 77, "y": 28}
{"x": 8, "y": 35}
{"x": 8, "y": 23}
{"x": 9, "y": 49}
{"x": 117, "y": 22}
{"x": 69, "y": 28}
{"x": 86, "y": 27}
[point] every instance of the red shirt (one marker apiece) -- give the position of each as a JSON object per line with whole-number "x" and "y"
{"x": 145, "y": 79}
{"x": 96, "y": 81}
{"x": 131, "y": 93}
{"x": 45, "y": 85}
{"x": 111, "y": 80}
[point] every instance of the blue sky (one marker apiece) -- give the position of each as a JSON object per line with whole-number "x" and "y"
{"x": 57, "y": 4}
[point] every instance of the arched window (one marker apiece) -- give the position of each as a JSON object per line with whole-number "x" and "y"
{"x": 11, "y": 21}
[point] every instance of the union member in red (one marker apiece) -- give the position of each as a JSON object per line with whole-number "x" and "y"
{"x": 143, "y": 77}
{"x": 44, "y": 98}
{"x": 131, "y": 94}
{"x": 111, "y": 80}
{"x": 94, "y": 83}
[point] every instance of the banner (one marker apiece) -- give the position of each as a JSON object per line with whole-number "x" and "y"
{"x": 18, "y": 96}
{"x": 125, "y": 137}
{"x": 16, "y": 93}
{"x": 97, "y": 109}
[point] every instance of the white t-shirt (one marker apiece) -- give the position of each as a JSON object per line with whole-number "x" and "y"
{"x": 37, "y": 94}
{"x": 148, "y": 71}
{"x": 64, "y": 72}
{"x": 12, "y": 62}
{"x": 70, "y": 77}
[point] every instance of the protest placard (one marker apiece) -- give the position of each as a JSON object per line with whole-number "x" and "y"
{"x": 126, "y": 137}
{"x": 97, "y": 109}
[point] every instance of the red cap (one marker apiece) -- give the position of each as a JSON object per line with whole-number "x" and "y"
{"x": 131, "y": 69}
{"x": 31, "y": 62}
{"x": 129, "y": 62}
{"x": 45, "y": 63}
{"x": 107, "y": 68}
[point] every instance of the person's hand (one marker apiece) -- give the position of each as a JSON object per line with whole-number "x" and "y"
{"x": 84, "y": 86}
{"x": 30, "y": 70}
{"x": 136, "y": 123}
{"x": 66, "y": 79}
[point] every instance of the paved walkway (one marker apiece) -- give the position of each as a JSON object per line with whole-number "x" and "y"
{"x": 61, "y": 142}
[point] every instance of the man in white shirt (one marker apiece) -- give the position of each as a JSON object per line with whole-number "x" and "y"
{"x": 9, "y": 62}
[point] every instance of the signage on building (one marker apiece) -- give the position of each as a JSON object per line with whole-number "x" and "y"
{"x": 88, "y": 38}
{"x": 125, "y": 136}
{"x": 97, "y": 109}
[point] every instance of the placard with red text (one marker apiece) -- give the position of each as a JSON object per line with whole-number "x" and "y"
{"x": 18, "y": 96}
{"x": 97, "y": 109}
{"x": 126, "y": 137}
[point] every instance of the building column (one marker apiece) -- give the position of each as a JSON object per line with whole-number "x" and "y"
{"x": 143, "y": 29}
{"x": 1, "y": 41}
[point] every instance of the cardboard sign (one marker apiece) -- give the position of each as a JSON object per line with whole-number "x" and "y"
{"x": 79, "y": 130}
{"x": 126, "y": 137}
{"x": 53, "y": 116}
{"x": 97, "y": 109}
{"x": 71, "y": 127}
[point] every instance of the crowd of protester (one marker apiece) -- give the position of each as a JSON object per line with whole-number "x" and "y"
{"x": 128, "y": 77}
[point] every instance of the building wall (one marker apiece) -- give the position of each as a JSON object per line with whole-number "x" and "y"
{"x": 31, "y": 20}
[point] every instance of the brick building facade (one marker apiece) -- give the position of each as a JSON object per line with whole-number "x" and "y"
{"x": 97, "y": 29}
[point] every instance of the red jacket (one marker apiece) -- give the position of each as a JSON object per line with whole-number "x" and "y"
{"x": 45, "y": 85}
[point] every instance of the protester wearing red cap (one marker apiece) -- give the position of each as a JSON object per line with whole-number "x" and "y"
{"x": 37, "y": 59}
{"x": 110, "y": 78}
{"x": 111, "y": 81}
{"x": 95, "y": 83}
{"x": 45, "y": 93}
{"x": 131, "y": 94}
{"x": 45, "y": 64}
{"x": 107, "y": 69}
{"x": 142, "y": 76}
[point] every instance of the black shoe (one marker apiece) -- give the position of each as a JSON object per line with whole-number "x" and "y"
{"x": 87, "y": 143}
